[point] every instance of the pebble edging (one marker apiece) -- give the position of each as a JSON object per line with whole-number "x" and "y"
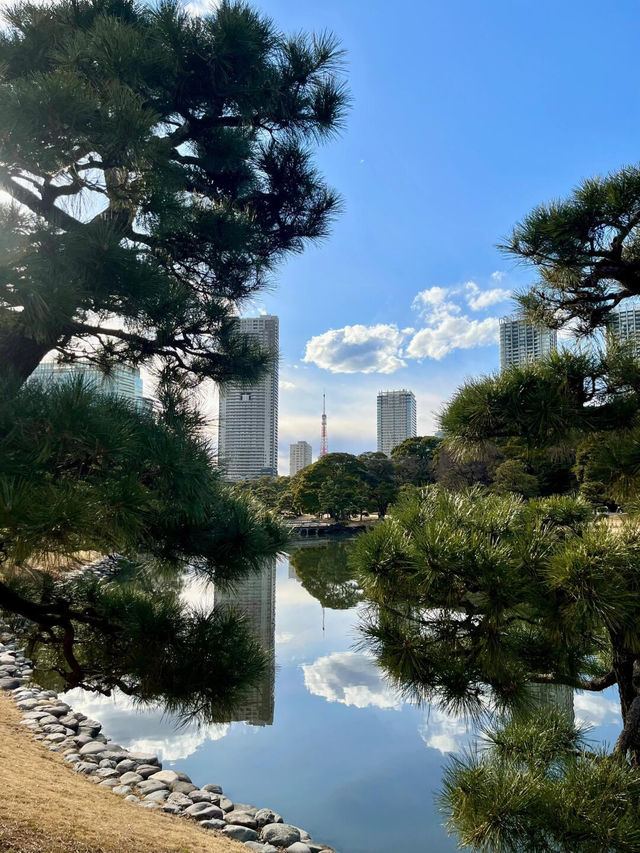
{"x": 138, "y": 777}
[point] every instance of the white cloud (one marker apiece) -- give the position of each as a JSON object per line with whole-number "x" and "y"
{"x": 498, "y": 275}
{"x": 144, "y": 729}
{"x": 284, "y": 637}
{"x": 444, "y": 732}
{"x": 450, "y": 333}
{"x": 285, "y": 385}
{"x": 478, "y": 299}
{"x": 432, "y": 304}
{"x": 595, "y": 710}
{"x": 358, "y": 349}
{"x": 351, "y": 679}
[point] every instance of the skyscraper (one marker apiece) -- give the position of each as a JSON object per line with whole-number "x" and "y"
{"x": 624, "y": 324}
{"x": 521, "y": 342}
{"x": 123, "y": 381}
{"x": 396, "y": 419}
{"x": 255, "y": 599}
{"x": 248, "y": 413}
{"x": 299, "y": 456}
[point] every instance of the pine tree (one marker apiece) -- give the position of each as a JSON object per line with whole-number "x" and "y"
{"x": 536, "y": 784}
{"x": 84, "y": 473}
{"x": 474, "y": 597}
{"x": 159, "y": 166}
{"x": 586, "y": 250}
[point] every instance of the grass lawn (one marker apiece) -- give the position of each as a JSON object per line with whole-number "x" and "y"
{"x": 47, "y": 808}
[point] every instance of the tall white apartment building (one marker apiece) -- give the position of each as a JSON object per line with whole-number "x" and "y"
{"x": 255, "y": 599}
{"x": 248, "y": 413}
{"x": 521, "y": 342}
{"x": 624, "y": 324}
{"x": 299, "y": 457}
{"x": 397, "y": 419}
{"x": 123, "y": 381}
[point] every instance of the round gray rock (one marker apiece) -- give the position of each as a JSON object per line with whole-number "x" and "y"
{"x": 165, "y": 776}
{"x": 265, "y": 816}
{"x": 236, "y": 818}
{"x": 149, "y": 787}
{"x": 259, "y": 847}
{"x": 281, "y": 834}
{"x": 183, "y": 787}
{"x": 213, "y": 824}
{"x": 240, "y": 833}
{"x": 199, "y": 796}
{"x": 107, "y": 773}
{"x": 146, "y": 770}
{"x": 130, "y": 778}
{"x": 158, "y": 796}
{"x": 178, "y": 799}
{"x": 298, "y": 847}
{"x": 244, "y": 807}
{"x": 204, "y": 811}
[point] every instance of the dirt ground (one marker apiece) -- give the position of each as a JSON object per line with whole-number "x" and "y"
{"x": 47, "y": 808}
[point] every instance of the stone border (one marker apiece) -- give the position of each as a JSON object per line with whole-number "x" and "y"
{"x": 137, "y": 777}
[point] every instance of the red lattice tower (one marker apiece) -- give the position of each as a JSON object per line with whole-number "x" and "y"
{"x": 323, "y": 431}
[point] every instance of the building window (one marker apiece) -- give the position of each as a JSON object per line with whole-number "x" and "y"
{"x": 245, "y": 396}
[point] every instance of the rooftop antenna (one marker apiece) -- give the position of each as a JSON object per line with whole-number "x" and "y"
{"x": 323, "y": 432}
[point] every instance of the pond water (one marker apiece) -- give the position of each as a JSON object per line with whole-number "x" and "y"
{"x": 324, "y": 741}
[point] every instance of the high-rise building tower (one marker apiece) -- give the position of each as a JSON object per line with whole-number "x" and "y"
{"x": 324, "y": 447}
{"x": 248, "y": 413}
{"x": 255, "y": 599}
{"x": 624, "y": 324}
{"x": 123, "y": 381}
{"x": 299, "y": 457}
{"x": 396, "y": 419}
{"x": 521, "y": 342}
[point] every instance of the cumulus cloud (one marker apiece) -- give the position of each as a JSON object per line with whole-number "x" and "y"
{"x": 432, "y": 304}
{"x": 450, "y": 333}
{"x": 358, "y": 349}
{"x": 595, "y": 710}
{"x": 446, "y": 327}
{"x": 351, "y": 679}
{"x": 285, "y": 385}
{"x": 444, "y": 732}
{"x": 478, "y": 299}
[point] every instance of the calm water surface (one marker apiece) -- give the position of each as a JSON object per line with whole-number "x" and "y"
{"x": 325, "y": 742}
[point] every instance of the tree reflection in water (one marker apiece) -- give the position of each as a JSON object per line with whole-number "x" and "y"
{"x": 325, "y": 573}
{"x": 135, "y": 633}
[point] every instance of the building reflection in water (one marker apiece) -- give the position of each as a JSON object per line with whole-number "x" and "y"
{"x": 255, "y": 598}
{"x": 555, "y": 697}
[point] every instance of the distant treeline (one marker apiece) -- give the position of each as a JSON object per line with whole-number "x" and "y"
{"x": 342, "y": 485}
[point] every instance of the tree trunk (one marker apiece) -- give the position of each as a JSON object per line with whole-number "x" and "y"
{"x": 626, "y": 666}
{"x": 19, "y": 356}
{"x": 623, "y": 667}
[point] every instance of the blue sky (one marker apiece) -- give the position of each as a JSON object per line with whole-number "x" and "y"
{"x": 465, "y": 115}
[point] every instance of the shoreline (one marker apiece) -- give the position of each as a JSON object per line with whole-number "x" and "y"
{"x": 135, "y": 777}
